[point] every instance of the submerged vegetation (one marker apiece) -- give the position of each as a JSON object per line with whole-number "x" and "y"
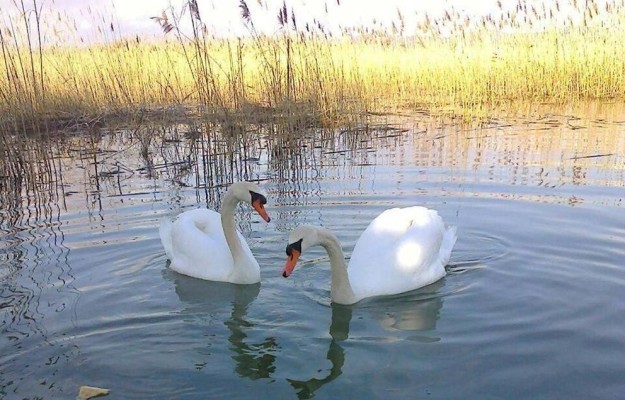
{"x": 454, "y": 62}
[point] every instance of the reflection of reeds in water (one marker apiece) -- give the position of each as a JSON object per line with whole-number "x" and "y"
{"x": 207, "y": 158}
{"x": 30, "y": 177}
{"x": 36, "y": 279}
{"x": 299, "y": 164}
{"x": 550, "y": 148}
{"x": 204, "y": 158}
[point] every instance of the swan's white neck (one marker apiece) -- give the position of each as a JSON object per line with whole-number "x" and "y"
{"x": 341, "y": 289}
{"x": 228, "y": 208}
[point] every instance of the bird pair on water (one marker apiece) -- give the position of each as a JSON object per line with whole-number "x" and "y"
{"x": 402, "y": 249}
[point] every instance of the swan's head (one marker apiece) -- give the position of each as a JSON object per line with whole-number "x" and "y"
{"x": 250, "y": 193}
{"x": 300, "y": 239}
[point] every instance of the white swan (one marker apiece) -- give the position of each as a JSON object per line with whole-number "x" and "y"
{"x": 206, "y": 245}
{"x": 401, "y": 250}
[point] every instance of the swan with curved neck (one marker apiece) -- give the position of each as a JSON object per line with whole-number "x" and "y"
{"x": 401, "y": 250}
{"x": 206, "y": 245}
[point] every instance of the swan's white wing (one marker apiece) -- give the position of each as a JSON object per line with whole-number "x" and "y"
{"x": 199, "y": 246}
{"x": 400, "y": 251}
{"x": 164, "y": 231}
{"x": 196, "y": 246}
{"x": 449, "y": 240}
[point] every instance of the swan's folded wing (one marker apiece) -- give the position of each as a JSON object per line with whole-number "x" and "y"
{"x": 200, "y": 248}
{"x": 164, "y": 231}
{"x": 399, "y": 251}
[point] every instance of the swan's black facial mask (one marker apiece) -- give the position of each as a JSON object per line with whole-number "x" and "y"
{"x": 258, "y": 197}
{"x": 293, "y": 251}
{"x": 258, "y": 203}
{"x": 294, "y": 246}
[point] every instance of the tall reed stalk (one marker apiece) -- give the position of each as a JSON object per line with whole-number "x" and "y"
{"x": 455, "y": 61}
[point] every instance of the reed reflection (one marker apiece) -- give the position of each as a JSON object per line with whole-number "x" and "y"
{"x": 206, "y": 158}
{"x": 38, "y": 297}
{"x": 200, "y": 157}
{"x": 251, "y": 360}
{"x": 31, "y": 177}
{"x": 295, "y": 171}
{"x": 301, "y": 163}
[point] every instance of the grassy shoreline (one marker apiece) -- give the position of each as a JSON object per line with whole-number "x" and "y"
{"x": 327, "y": 80}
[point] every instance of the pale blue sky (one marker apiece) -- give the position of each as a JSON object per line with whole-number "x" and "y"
{"x": 223, "y": 17}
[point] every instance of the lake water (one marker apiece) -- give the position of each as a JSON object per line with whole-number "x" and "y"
{"x": 533, "y": 305}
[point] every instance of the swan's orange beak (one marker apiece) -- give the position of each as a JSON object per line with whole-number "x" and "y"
{"x": 289, "y": 266}
{"x": 260, "y": 209}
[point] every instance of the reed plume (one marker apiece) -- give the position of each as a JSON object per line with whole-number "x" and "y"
{"x": 557, "y": 52}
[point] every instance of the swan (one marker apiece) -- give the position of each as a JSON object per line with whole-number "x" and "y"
{"x": 204, "y": 244}
{"x": 402, "y": 249}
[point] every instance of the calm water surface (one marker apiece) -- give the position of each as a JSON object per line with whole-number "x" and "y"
{"x": 532, "y": 306}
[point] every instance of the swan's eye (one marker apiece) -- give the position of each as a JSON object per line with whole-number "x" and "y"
{"x": 258, "y": 197}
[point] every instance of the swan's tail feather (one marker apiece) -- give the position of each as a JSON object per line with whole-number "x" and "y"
{"x": 164, "y": 232}
{"x": 449, "y": 240}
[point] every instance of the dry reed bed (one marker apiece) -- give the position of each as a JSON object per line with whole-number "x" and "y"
{"x": 458, "y": 62}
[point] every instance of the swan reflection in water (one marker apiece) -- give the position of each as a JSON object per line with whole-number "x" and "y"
{"x": 252, "y": 360}
{"x": 415, "y": 312}
{"x": 339, "y": 330}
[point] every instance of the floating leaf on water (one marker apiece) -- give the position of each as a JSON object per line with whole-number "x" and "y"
{"x": 89, "y": 392}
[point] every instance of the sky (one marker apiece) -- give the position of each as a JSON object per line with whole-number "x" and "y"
{"x": 223, "y": 17}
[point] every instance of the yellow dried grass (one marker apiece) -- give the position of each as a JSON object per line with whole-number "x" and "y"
{"x": 330, "y": 77}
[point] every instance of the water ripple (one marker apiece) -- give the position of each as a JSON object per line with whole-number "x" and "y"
{"x": 86, "y": 296}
